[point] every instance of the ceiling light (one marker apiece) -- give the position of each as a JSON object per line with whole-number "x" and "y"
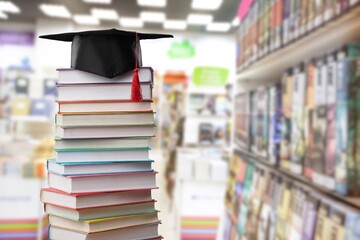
{"x": 156, "y": 17}
{"x": 206, "y": 4}
{"x": 199, "y": 19}
{"x": 218, "y": 27}
{"x": 235, "y": 22}
{"x": 54, "y": 10}
{"x": 131, "y": 22}
{"x": 105, "y": 14}
{"x": 86, "y": 20}
{"x": 7, "y": 6}
{"x": 175, "y": 24}
{"x": 3, "y": 16}
{"x": 98, "y": 1}
{"x": 151, "y": 3}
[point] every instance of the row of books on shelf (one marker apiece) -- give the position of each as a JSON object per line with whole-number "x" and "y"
{"x": 263, "y": 204}
{"x": 101, "y": 178}
{"x": 271, "y": 24}
{"x": 307, "y": 123}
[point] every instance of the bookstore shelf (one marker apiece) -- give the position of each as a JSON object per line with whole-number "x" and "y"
{"x": 297, "y": 179}
{"x": 330, "y": 36}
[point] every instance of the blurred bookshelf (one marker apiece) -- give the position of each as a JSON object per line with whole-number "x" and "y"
{"x": 293, "y": 171}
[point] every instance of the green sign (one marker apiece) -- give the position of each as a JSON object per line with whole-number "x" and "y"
{"x": 210, "y": 76}
{"x": 181, "y": 50}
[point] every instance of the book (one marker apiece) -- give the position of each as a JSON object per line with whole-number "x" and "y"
{"x": 274, "y": 123}
{"x": 318, "y": 153}
{"x": 101, "y": 212}
{"x": 81, "y": 106}
{"x": 144, "y": 231}
{"x": 113, "y": 118}
{"x": 347, "y": 112}
{"x": 104, "y": 91}
{"x": 330, "y": 149}
{"x": 297, "y": 147}
{"x": 136, "y": 142}
{"x": 309, "y": 119}
{"x": 91, "y": 199}
{"x": 262, "y": 113}
{"x": 321, "y": 223}
{"x": 102, "y": 182}
{"x": 286, "y": 113}
{"x": 242, "y": 123}
{"x": 77, "y": 168}
{"x": 74, "y": 76}
{"x": 101, "y": 155}
{"x": 105, "y": 224}
{"x": 105, "y": 131}
{"x": 310, "y": 217}
{"x": 253, "y": 121}
{"x": 20, "y": 107}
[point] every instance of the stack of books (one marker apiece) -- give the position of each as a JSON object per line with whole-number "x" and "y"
{"x": 101, "y": 178}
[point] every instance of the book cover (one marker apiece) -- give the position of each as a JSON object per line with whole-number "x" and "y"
{"x": 311, "y": 15}
{"x": 319, "y": 13}
{"x": 309, "y": 119}
{"x": 286, "y": 22}
{"x": 282, "y": 212}
{"x": 278, "y": 23}
{"x": 322, "y": 222}
{"x": 241, "y": 130}
{"x": 262, "y": 122}
{"x": 310, "y": 217}
{"x": 297, "y": 120}
{"x": 274, "y": 123}
{"x": 330, "y": 151}
{"x": 253, "y": 121}
{"x": 303, "y": 16}
{"x": 286, "y": 100}
{"x": 318, "y": 153}
{"x": 347, "y": 114}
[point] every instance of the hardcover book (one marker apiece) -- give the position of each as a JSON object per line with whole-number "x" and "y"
{"x": 297, "y": 121}
{"x": 347, "y": 112}
{"x": 318, "y": 153}
{"x": 242, "y": 120}
{"x": 309, "y": 119}
{"x": 262, "y": 122}
{"x": 275, "y": 123}
{"x": 286, "y": 100}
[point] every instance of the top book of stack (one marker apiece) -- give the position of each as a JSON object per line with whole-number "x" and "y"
{"x": 75, "y": 85}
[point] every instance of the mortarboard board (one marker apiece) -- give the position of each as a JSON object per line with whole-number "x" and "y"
{"x": 107, "y": 53}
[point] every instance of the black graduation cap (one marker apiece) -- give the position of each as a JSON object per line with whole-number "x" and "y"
{"x": 107, "y": 53}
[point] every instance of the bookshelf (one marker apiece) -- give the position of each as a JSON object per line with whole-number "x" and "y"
{"x": 342, "y": 29}
{"x": 248, "y": 201}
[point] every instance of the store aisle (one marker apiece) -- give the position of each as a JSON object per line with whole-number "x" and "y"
{"x": 164, "y": 204}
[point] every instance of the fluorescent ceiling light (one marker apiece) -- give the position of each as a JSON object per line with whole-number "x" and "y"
{"x": 3, "y": 16}
{"x": 236, "y": 21}
{"x": 98, "y": 1}
{"x": 199, "y": 19}
{"x": 151, "y": 3}
{"x": 54, "y": 10}
{"x": 131, "y": 22}
{"x": 175, "y": 24}
{"x": 218, "y": 27}
{"x": 105, "y": 14}
{"x": 7, "y": 6}
{"x": 86, "y": 20}
{"x": 156, "y": 17}
{"x": 206, "y": 4}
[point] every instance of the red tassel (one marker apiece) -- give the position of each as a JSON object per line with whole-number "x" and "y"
{"x": 136, "y": 95}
